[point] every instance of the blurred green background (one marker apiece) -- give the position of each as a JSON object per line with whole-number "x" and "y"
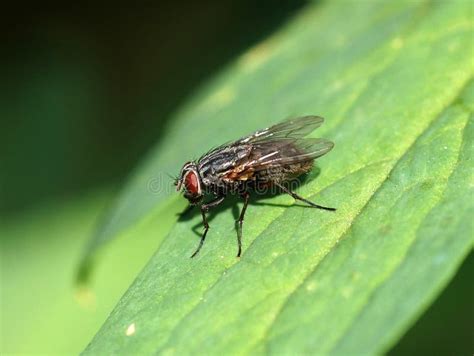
{"x": 84, "y": 93}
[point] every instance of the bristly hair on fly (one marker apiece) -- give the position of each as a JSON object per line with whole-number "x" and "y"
{"x": 174, "y": 178}
{"x": 269, "y": 157}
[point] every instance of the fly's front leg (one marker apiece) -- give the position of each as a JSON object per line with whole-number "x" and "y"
{"x": 204, "y": 209}
{"x": 297, "y": 197}
{"x": 246, "y": 197}
{"x": 206, "y": 228}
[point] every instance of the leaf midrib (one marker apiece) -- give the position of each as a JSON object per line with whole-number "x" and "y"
{"x": 311, "y": 270}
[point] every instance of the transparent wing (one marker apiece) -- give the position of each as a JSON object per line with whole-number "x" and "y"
{"x": 293, "y": 128}
{"x": 290, "y": 129}
{"x": 276, "y": 156}
{"x": 281, "y": 144}
{"x": 287, "y": 151}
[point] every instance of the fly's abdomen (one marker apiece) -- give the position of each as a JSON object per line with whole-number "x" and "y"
{"x": 284, "y": 172}
{"x": 280, "y": 162}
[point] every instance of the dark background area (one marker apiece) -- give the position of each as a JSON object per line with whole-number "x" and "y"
{"x": 86, "y": 91}
{"x": 446, "y": 328}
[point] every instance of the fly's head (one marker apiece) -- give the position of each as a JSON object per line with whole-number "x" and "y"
{"x": 190, "y": 181}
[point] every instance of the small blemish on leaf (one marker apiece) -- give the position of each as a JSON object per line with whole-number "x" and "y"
{"x": 355, "y": 276}
{"x": 362, "y": 256}
{"x": 221, "y": 97}
{"x": 439, "y": 259}
{"x": 85, "y": 297}
{"x": 311, "y": 287}
{"x": 346, "y": 292}
{"x": 397, "y": 43}
{"x": 340, "y": 41}
{"x": 256, "y": 56}
{"x": 453, "y": 46}
{"x": 130, "y": 330}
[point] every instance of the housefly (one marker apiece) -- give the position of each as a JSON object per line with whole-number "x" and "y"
{"x": 266, "y": 158}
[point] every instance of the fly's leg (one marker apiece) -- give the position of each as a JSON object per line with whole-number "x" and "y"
{"x": 246, "y": 196}
{"x": 203, "y": 237}
{"x": 297, "y": 197}
{"x": 204, "y": 209}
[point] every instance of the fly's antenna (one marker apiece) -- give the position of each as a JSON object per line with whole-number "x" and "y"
{"x": 175, "y": 180}
{"x": 173, "y": 177}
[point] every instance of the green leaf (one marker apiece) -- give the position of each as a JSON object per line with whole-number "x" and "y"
{"x": 395, "y": 86}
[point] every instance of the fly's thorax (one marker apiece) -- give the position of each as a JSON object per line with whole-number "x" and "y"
{"x": 215, "y": 164}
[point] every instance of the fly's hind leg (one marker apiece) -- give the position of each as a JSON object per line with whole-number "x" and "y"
{"x": 240, "y": 222}
{"x": 297, "y": 197}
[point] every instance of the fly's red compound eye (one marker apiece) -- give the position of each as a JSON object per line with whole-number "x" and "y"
{"x": 191, "y": 183}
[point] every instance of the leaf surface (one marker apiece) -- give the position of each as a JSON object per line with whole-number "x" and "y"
{"x": 395, "y": 86}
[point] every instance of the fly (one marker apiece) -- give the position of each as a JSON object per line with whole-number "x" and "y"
{"x": 265, "y": 158}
